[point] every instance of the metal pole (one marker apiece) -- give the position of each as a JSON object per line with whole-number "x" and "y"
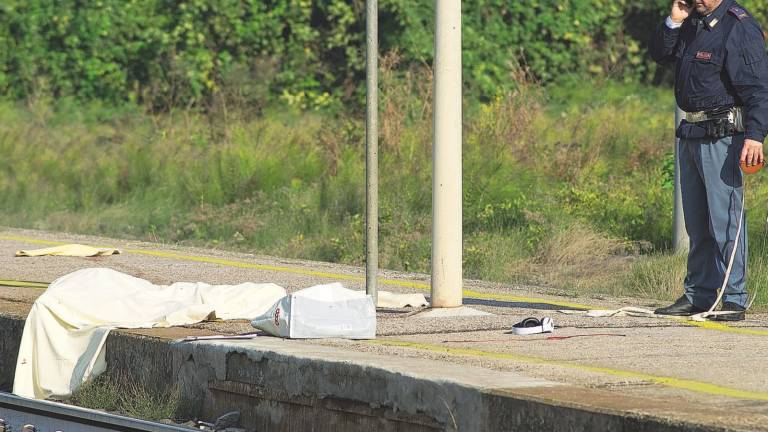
{"x": 446, "y": 158}
{"x": 372, "y": 150}
{"x": 680, "y": 240}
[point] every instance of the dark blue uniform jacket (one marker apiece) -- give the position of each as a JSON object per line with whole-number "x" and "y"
{"x": 720, "y": 65}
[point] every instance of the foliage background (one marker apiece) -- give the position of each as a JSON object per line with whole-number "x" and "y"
{"x": 309, "y": 53}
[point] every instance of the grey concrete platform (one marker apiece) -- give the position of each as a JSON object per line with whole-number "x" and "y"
{"x": 452, "y": 373}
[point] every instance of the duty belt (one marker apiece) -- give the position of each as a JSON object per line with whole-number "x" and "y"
{"x": 734, "y": 116}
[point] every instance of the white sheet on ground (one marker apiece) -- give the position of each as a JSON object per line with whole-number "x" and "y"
{"x": 75, "y": 250}
{"x": 63, "y": 339}
{"x": 391, "y": 300}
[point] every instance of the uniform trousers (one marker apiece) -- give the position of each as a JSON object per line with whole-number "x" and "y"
{"x": 712, "y": 188}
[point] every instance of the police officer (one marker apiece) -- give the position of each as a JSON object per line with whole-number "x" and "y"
{"x": 721, "y": 82}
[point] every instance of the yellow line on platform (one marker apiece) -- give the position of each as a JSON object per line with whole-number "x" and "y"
{"x": 296, "y": 270}
{"x": 695, "y": 386}
{"x": 25, "y": 284}
{"x": 709, "y": 325}
{"x": 241, "y": 264}
{"x": 395, "y": 282}
{"x": 33, "y": 241}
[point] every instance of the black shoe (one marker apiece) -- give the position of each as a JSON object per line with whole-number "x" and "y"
{"x": 740, "y": 312}
{"x": 682, "y": 307}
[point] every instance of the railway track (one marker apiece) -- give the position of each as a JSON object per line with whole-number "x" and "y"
{"x": 44, "y": 416}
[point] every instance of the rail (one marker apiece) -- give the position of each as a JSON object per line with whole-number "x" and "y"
{"x": 48, "y": 416}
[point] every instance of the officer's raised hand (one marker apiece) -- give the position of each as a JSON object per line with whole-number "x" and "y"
{"x": 752, "y": 152}
{"x": 680, "y": 10}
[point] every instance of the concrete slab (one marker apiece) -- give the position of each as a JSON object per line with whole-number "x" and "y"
{"x": 629, "y": 373}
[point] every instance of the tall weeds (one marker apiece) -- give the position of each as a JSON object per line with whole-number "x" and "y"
{"x": 563, "y": 187}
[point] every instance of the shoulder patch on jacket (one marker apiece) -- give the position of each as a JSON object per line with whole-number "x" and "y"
{"x": 739, "y": 12}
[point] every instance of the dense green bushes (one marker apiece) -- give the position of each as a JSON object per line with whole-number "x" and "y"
{"x": 308, "y": 53}
{"x": 167, "y": 52}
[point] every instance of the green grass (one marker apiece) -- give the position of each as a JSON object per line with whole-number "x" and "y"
{"x": 127, "y": 397}
{"x": 564, "y": 187}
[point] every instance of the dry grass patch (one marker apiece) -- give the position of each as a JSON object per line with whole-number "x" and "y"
{"x": 577, "y": 259}
{"x": 655, "y": 276}
{"x": 582, "y": 261}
